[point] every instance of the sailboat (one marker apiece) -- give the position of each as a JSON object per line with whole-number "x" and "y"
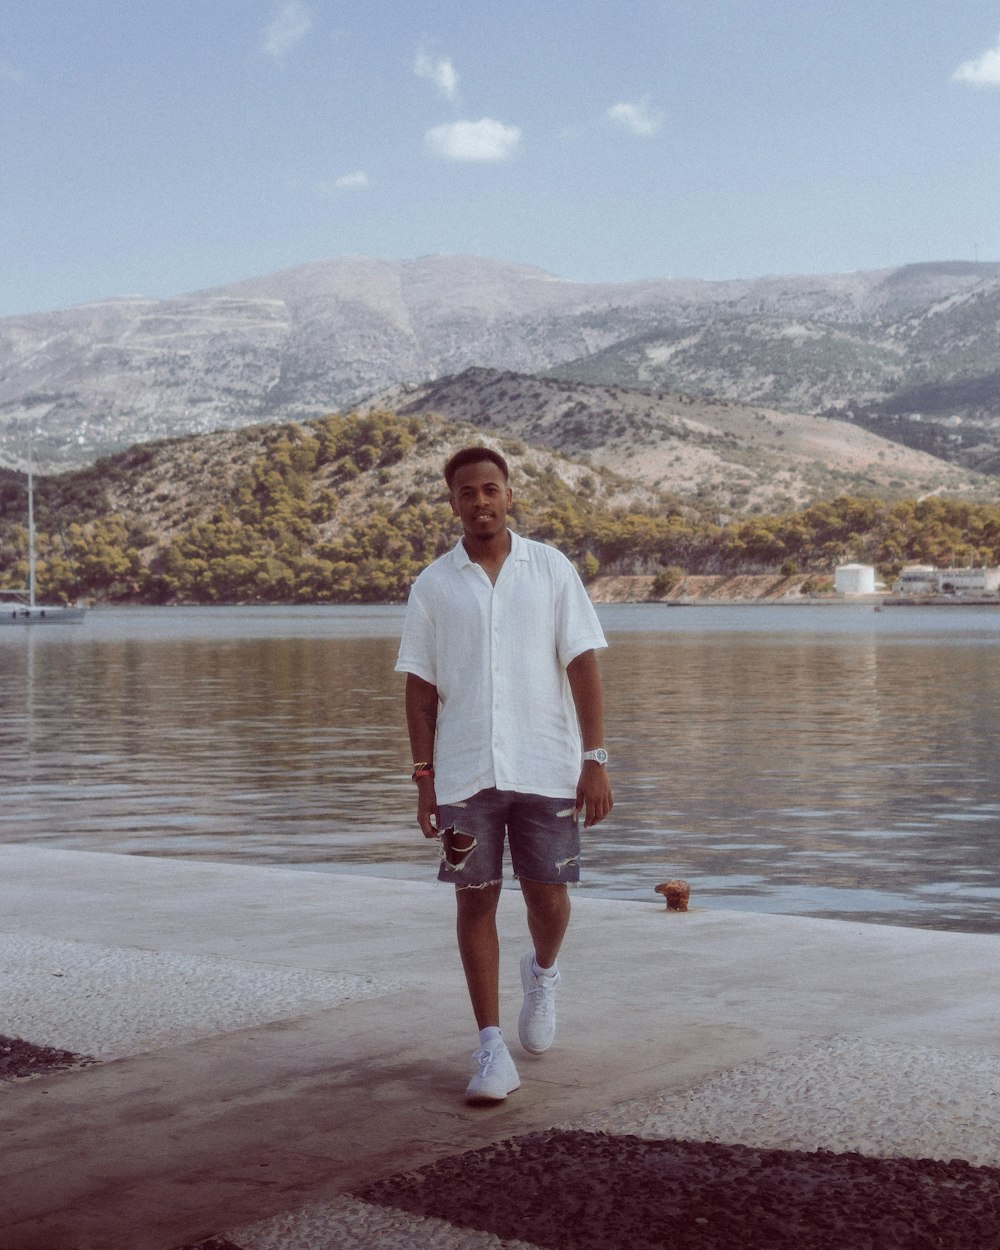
{"x": 19, "y": 607}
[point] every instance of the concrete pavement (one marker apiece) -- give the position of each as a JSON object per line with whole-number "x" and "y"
{"x": 273, "y": 1040}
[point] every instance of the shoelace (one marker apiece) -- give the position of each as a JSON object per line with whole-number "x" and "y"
{"x": 538, "y": 997}
{"x": 484, "y": 1057}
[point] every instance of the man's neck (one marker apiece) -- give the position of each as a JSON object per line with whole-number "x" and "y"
{"x": 489, "y": 553}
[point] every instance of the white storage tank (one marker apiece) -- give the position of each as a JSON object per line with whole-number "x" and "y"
{"x": 854, "y": 579}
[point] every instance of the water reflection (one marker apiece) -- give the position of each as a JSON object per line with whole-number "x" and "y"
{"x": 265, "y": 750}
{"x": 840, "y": 765}
{"x": 832, "y": 775}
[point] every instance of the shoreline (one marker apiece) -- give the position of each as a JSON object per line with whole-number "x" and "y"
{"x": 696, "y": 590}
{"x": 761, "y": 590}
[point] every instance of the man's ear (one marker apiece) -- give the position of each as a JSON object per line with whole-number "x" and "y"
{"x": 454, "y": 506}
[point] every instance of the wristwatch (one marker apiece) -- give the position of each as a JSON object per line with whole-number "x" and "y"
{"x": 598, "y": 755}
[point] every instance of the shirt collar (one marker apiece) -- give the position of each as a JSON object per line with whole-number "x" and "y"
{"x": 518, "y": 550}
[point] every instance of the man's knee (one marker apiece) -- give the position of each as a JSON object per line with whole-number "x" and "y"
{"x": 477, "y": 900}
{"x": 545, "y": 899}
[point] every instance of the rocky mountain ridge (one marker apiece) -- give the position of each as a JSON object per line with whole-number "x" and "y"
{"x": 324, "y": 337}
{"x": 931, "y": 363}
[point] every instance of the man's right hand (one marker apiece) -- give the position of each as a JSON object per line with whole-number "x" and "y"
{"x": 427, "y": 808}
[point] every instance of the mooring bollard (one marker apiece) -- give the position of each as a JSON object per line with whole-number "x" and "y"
{"x": 677, "y": 894}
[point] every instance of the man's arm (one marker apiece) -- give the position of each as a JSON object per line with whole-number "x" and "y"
{"x": 421, "y": 724}
{"x": 593, "y": 791}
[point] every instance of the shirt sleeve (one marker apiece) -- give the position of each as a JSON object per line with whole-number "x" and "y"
{"x": 577, "y": 626}
{"x": 417, "y": 648}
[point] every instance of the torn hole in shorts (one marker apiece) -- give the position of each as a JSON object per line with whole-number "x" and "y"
{"x": 558, "y": 866}
{"x": 456, "y": 847}
{"x": 572, "y": 862}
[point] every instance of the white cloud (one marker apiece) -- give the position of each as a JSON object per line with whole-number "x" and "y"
{"x": 332, "y": 188}
{"x": 289, "y": 26}
{"x": 439, "y": 71}
{"x": 639, "y": 117}
{"x": 353, "y": 182}
{"x": 982, "y": 71}
{"x": 485, "y": 140}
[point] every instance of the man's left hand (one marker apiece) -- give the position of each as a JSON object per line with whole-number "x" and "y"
{"x": 593, "y": 793}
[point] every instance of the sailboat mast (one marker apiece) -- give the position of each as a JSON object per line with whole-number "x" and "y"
{"x": 31, "y": 526}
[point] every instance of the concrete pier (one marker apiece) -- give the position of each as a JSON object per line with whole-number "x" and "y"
{"x": 272, "y": 1041}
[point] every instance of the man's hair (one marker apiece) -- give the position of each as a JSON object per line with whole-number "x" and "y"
{"x": 473, "y": 455}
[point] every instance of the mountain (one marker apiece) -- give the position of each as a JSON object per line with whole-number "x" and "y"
{"x": 923, "y": 374}
{"x": 724, "y": 455}
{"x": 325, "y": 336}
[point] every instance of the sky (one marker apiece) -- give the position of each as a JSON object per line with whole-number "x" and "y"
{"x": 158, "y": 147}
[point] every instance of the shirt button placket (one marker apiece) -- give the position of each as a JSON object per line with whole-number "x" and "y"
{"x": 497, "y": 693}
{"x": 495, "y": 658}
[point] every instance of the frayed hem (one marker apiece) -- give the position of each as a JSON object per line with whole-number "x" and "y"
{"x": 570, "y": 885}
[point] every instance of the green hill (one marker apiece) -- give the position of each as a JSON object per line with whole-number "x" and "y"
{"x": 347, "y": 509}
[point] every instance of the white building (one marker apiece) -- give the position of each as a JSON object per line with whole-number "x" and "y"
{"x": 854, "y": 579}
{"x": 969, "y": 581}
{"x": 917, "y": 579}
{"x": 924, "y": 579}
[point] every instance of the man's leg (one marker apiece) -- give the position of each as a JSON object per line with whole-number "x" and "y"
{"x": 479, "y": 947}
{"x": 548, "y": 918}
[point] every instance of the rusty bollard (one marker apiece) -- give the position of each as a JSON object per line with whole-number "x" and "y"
{"x": 677, "y": 894}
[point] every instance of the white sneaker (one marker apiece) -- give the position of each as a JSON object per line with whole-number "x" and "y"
{"x": 536, "y": 1025}
{"x": 497, "y": 1077}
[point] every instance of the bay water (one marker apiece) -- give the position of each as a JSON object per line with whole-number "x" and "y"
{"x": 830, "y": 761}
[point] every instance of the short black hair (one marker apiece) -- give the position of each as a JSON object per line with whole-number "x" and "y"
{"x": 473, "y": 455}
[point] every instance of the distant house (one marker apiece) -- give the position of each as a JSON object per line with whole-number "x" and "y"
{"x": 854, "y": 579}
{"x": 969, "y": 581}
{"x": 917, "y": 579}
{"x": 924, "y": 579}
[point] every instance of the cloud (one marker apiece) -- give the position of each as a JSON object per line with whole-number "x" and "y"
{"x": 982, "y": 71}
{"x": 10, "y": 73}
{"x": 332, "y": 188}
{"x": 439, "y": 71}
{"x": 485, "y": 140}
{"x": 289, "y": 26}
{"x": 639, "y": 117}
{"x": 353, "y": 182}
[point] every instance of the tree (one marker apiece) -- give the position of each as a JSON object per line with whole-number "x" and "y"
{"x": 667, "y": 580}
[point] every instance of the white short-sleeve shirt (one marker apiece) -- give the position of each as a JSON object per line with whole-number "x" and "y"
{"x": 498, "y": 656}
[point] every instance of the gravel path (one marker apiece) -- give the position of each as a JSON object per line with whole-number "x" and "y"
{"x": 844, "y": 1144}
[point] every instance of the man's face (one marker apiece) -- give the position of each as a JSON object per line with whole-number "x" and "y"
{"x": 481, "y": 499}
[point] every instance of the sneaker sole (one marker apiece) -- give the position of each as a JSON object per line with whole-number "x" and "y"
{"x": 490, "y": 1098}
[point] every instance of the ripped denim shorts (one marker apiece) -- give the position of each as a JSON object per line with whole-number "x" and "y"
{"x": 543, "y": 834}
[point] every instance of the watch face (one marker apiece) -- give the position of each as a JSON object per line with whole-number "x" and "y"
{"x": 599, "y": 755}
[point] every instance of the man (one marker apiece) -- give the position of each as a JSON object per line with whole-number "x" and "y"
{"x": 506, "y": 725}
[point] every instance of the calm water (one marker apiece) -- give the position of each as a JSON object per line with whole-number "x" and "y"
{"x": 830, "y": 761}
